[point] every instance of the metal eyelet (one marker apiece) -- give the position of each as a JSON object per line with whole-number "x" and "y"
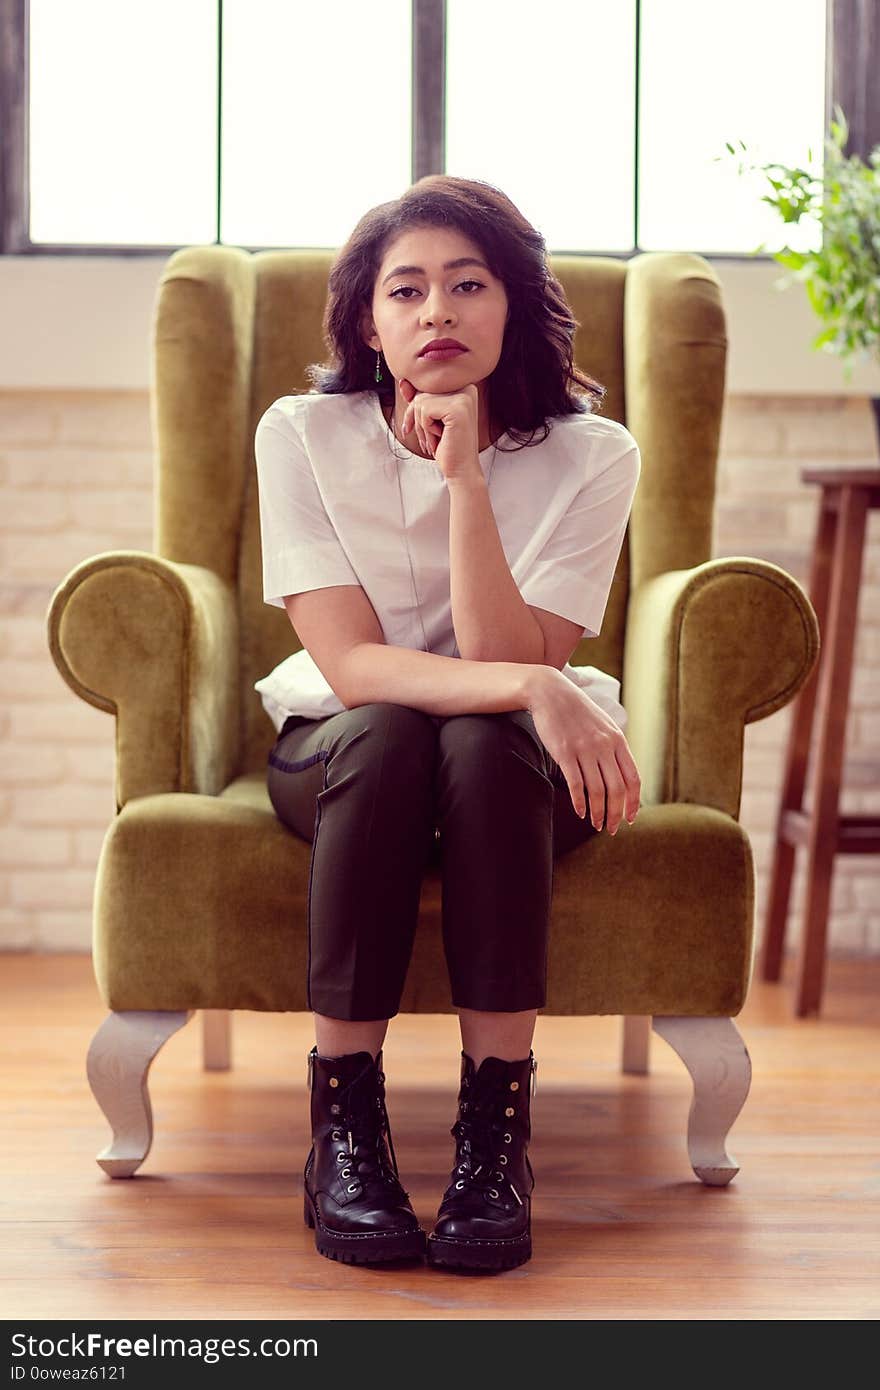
{"x": 460, "y": 1184}
{"x": 509, "y": 1111}
{"x": 346, "y": 1173}
{"x": 514, "y": 1085}
{"x": 334, "y": 1081}
{"x": 502, "y": 1158}
{"x": 352, "y": 1187}
{"x": 507, "y": 1139}
{"x": 335, "y": 1109}
{"x": 461, "y": 1167}
{"x": 492, "y": 1192}
{"x": 335, "y": 1134}
{"x": 340, "y": 1158}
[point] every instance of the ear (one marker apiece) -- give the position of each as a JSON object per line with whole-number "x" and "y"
{"x": 368, "y": 330}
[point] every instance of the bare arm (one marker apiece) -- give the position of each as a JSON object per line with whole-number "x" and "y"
{"x": 339, "y": 628}
{"x": 492, "y": 622}
{"x": 442, "y": 685}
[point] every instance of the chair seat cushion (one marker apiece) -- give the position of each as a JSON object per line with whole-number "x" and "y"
{"x": 201, "y": 903}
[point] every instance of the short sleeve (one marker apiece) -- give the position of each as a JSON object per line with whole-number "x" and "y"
{"x": 301, "y": 550}
{"x": 573, "y": 572}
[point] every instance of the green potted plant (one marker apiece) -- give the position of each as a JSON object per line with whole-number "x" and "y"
{"x": 842, "y": 277}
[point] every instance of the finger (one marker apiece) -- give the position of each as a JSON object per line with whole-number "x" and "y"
{"x": 632, "y": 781}
{"x": 617, "y": 794}
{"x": 592, "y": 779}
{"x": 576, "y": 792}
{"x": 574, "y": 776}
{"x": 426, "y": 437}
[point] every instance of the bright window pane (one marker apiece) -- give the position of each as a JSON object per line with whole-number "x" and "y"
{"x": 316, "y": 118}
{"x": 541, "y": 103}
{"x": 713, "y": 73}
{"x": 123, "y": 122}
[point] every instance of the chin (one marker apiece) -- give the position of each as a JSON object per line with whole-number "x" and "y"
{"x": 451, "y": 373}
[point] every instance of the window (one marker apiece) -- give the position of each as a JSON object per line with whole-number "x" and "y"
{"x": 277, "y": 122}
{"x": 121, "y": 125}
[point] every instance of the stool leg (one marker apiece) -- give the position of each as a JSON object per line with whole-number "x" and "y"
{"x": 797, "y": 757}
{"x": 836, "y": 677}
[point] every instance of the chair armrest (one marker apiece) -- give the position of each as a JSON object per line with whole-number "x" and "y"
{"x": 155, "y": 643}
{"x": 707, "y": 651}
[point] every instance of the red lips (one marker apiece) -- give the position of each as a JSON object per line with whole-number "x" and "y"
{"x": 440, "y": 343}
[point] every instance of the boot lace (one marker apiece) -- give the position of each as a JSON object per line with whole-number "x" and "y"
{"x": 366, "y": 1160}
{"x": 482, "y": 1144}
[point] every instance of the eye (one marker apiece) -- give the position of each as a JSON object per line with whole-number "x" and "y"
{"x": 397, "y": 292}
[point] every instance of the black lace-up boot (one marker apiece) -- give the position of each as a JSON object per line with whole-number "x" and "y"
{"x": 484, "y": 1220}
{"x": 353, "y": 1197}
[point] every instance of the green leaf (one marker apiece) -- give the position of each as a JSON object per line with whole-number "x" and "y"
{"x": 826, "y": 336}
{"x": 841, "y": 277}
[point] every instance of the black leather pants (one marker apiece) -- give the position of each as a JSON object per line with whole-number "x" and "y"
{"x": 369, "y": 788}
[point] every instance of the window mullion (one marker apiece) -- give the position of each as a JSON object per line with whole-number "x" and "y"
{"x": 429, "y": 87}
{"x": 853, "y": 35}
{"x": 13, "y": 127}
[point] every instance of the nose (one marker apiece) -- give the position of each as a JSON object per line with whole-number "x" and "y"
{"x": 434, "y": 309}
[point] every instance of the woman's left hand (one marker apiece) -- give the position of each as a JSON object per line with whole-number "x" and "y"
{"x": 447, "y": 427}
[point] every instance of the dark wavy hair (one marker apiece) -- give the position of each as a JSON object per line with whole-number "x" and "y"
{"x": 535, "y": 377}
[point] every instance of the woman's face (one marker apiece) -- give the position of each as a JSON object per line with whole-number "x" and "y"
{"x": 411, "y": 307}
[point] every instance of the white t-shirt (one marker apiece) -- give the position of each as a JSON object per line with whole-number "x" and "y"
{"x": 331, "y": 512}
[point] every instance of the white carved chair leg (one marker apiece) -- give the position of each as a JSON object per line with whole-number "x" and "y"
{"x": 716, "y": 1057}
{"x": 216, "y": 1039}
{"x": 118, "y": 1064}
{"x": 636, "y": 1043}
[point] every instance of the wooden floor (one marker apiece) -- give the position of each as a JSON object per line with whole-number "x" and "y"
{"x": 212, "y": 1225}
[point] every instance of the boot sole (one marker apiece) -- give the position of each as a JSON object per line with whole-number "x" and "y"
{"x": 479, "y": 1254}
{"x": 362, "y": 1249}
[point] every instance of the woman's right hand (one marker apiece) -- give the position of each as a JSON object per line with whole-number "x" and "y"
{"x": 589, "y": 747}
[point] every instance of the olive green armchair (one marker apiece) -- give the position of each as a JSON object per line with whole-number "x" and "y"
{"x": 200, "y": 891}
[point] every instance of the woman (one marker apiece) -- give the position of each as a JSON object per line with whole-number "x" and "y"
{"x": 441, "y": 519}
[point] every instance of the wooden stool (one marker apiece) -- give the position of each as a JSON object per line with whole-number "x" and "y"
{"x": 847, "y": 493}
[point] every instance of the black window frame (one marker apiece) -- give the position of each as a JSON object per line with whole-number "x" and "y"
{"x": 852, "y": 54}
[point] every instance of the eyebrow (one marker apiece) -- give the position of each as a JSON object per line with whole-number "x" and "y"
{"x": 417, "y": 269}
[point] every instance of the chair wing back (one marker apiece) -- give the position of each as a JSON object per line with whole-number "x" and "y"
{"x": 234, "y": 330}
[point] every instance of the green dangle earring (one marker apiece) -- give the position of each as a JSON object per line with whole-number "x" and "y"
{"x": 378, "y": 368}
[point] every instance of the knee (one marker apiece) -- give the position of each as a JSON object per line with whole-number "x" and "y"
{"x": 480, "y": 735}
{"x": 396, "y": 727}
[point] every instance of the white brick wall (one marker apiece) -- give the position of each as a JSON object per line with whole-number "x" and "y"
{"x": 763, "y": 509}
{"x": 76, "y": 478}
